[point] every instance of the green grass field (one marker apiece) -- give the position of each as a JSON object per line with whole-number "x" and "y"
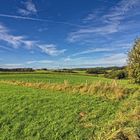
{"x": 30, "y": 113}
{"x": 53, "y": 77}
{"x": 50, "y": 77}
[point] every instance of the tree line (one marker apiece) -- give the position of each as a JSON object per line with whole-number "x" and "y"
{"x": 17, "y": 70}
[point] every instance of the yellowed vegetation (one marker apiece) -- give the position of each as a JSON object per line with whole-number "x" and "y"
{"x": 129, "y": 113}
{"x": 103, "y": 89}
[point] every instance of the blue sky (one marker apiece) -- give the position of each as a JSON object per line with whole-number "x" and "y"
{"x": 67, "y": 33}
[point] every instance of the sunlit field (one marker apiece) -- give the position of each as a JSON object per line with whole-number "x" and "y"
{"x": 67, "y": 106}
{"x": 69, "y": 69}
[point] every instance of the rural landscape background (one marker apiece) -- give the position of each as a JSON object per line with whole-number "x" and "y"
{"x": 69, "y": 70}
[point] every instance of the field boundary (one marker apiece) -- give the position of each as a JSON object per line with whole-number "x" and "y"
{"x": 102, "y": 89}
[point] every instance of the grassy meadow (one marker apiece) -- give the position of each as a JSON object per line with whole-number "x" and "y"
{"x": 65, "y": 106}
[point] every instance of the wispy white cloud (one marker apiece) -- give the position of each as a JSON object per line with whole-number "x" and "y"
{"x": 42, "y": 29}
{"x": 29, "y": 8}
{"x": 114, "y": 59}
{"x": 13, "y": 40}
{"x": 2, "y": 28}
{"x": 5, "y": 48}
{"x": 87, "y": 32}
{"x": 119, "y": 12}
{"x": 118, "y": 59}
{"x": 24, "y": 18}
{"x": 51, "y": 49}
{"x": 94, "y": 50}
{"x": 94, "y": 15}
{"x": 67, "y": 59}
{"x": 109, "y": 23}
{"x": 11, "y": 65}
{"x": 21, "y": 41}
{"x": 40, "y": 20}
{"x": 40, "y": 61}
{"x": 117, "y": 46}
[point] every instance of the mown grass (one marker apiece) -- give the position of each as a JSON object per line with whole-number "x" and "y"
{"x": 30, "y": 109}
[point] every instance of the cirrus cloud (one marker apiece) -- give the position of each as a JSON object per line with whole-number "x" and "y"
{"x": 107, "y": 24}
{"x": 29, "y": 8}
{"x": 21, "y": 41}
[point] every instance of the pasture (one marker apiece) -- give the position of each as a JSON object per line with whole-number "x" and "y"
{"x": 31, "y": 110}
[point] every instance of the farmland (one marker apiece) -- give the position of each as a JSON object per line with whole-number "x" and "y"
{"x": 31, "y": 109}
{"x": 70, "y": 70}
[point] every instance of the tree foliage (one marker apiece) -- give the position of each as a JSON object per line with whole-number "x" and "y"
{"x": 116, "y": 74}
{"x": 16, "y": 70}
{"x": 98, "y": 70}
{"x": 134, "y": 62}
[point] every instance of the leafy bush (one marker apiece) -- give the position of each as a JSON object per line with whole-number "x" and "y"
{"x": 134, "y": 62}
{"x": 120, "y": 74}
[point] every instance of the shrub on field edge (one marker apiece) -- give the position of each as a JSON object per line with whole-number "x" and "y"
{"x": 120, "y": 74}
{"x": 134, "y": 62}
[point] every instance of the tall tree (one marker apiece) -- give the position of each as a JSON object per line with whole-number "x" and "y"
{"x": 134, "y": 62}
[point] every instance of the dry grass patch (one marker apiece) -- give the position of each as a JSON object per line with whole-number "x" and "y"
{"x": 103, "y": 89}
